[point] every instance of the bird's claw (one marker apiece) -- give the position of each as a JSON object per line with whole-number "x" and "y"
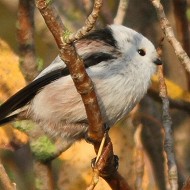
{"x": 116, "y": 162}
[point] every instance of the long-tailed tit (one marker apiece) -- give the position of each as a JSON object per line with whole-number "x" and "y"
{"x": 120, "y": 63}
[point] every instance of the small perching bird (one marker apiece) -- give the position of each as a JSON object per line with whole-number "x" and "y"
{"x": 120, "y": 63}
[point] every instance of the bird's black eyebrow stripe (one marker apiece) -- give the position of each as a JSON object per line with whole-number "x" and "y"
{"x": 104, "y": 35}
{"x": 96, "y": 58}
{"x": 23, "y": 96}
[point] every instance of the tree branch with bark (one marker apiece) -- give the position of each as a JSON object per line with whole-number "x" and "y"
{"x": 169, "y": 33}
{"x": 83, "y": 84}
{"x": 168, "y": 140}
{"x": 185, "y": 60}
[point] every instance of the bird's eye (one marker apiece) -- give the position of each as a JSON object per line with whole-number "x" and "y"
{"x": 142, "y": 52}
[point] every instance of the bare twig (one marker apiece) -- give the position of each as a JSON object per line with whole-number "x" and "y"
{"x": 120, "y": 16}
{"x": 185, "y": 60}
{"x": 25, "y": 33}
{"x": 101, "y": 148}
{"x": 89, "y": 23}
{"x": 168, "y": 31}
{"x": 4, "y": 179}
{"x": 168, "y": 141}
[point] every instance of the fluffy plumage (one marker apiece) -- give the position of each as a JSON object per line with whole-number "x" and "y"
{"x": 120, "y": 63}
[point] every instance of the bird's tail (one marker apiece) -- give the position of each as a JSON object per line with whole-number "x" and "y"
{"x": 14, "y": 107}
{"x": 8, "y": 119}
{"x": 17, "y": 115}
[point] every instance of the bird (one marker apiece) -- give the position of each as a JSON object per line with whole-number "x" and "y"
{"x": 120, "y": 63}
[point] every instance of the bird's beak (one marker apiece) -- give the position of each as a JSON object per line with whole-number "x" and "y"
{"x": 157, "y": 61}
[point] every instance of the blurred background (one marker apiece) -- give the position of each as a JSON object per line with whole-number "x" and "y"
{"x": 137, "y": 139}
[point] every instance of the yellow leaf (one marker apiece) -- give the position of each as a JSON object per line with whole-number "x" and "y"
{"x": 174, "y": 91}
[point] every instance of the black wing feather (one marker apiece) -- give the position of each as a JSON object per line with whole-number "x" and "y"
{"x": 26, "y": 94}
{"x": 23, "y": 96}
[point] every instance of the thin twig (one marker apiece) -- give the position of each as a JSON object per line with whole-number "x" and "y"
{"x": 4, "y": 179}
{"x": 121, "y": 12}
{"x": 168, "y": 141}
{"x": 53, "y": 21}
{"x": 89, "y": 23}
{"x": 169, "y": 33}
{"x": 101, "y": 148}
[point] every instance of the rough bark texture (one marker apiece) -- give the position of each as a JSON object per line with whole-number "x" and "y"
{"x": 83, "y": 85}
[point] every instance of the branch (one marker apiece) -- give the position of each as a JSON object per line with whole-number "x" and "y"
{"x": 169, "y": 33}
{"x": 80, "y": 78}
{"x": 89, "y": 23}
{"x": 168, "y": 142}
{"x": 25, "y": 34}
{"x": 52, "y": 21}
{"x": 76, "y": 67}
{"x": 121, "y": 12}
